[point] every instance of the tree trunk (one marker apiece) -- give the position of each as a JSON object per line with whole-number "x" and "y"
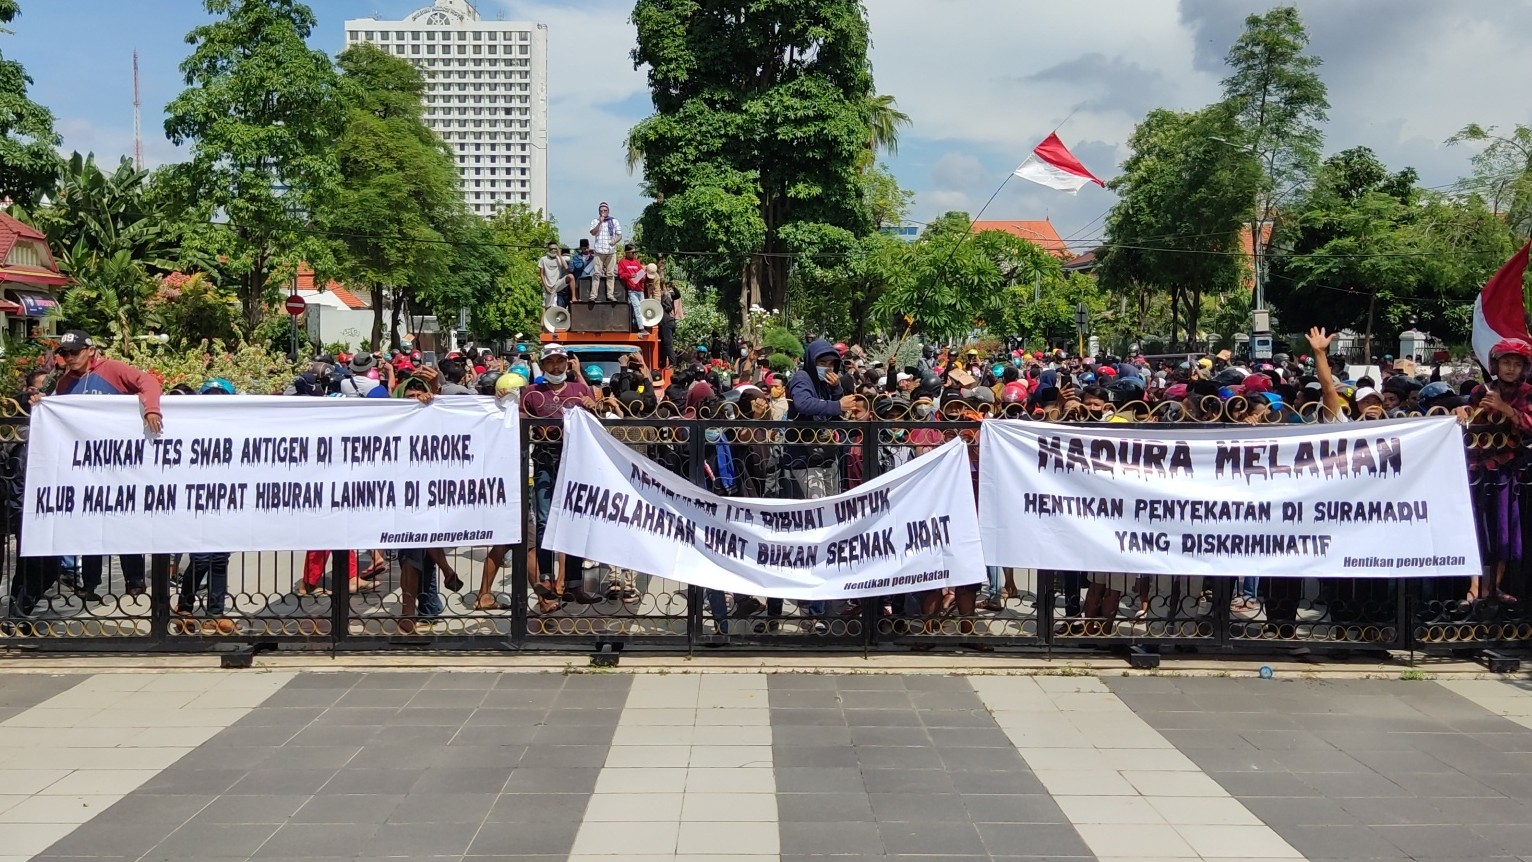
{"x": 377, "y": 317}
{"x": 1175, "y": 317}
{"x": 1372, "y": 303}
{"x": 393, "y": 328}
{"x": 1194, "y": 316}
{"x": 252, "y": 291}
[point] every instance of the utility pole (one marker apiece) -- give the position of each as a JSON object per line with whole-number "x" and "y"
{"x": 138, "y": 127}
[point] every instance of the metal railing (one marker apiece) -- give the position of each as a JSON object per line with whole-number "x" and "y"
{"x": 292, "y": 598}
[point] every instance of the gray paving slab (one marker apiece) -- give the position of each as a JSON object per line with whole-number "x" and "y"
{"x": 1388, "y": 770}
{"x": 372, "y": 765}
{"x": 904, "y": 768}
{"x": 20, "y": 691}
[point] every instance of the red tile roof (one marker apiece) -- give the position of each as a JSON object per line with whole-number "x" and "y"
{"x": 305, "y": 281}
{"x": 344, "y": 294}
{"x": 13, "y": 230}
{"x": 1040, "y": 232}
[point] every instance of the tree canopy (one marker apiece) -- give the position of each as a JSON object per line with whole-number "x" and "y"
{"x": 28, "y": 160}
{"x": 260, "y": 113}
{"x": 762, "y": 118}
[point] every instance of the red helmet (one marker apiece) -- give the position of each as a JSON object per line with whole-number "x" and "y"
{"x": 1511, "y": 347}
{"x": 840, "y": 347}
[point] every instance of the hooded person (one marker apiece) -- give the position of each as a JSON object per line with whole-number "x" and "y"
{"x": 813, "y": 396}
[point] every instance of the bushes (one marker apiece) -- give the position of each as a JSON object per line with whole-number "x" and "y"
{"x": 781, "y": 340}
{"x": 251, "y": 369}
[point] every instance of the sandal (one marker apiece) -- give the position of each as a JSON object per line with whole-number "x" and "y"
{"x": 372, "y": 571}
{"x": 303, "y": 590}
{"x": 494, "y": 605}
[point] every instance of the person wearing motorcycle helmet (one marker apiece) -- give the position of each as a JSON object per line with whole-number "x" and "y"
{"x": 1502, "y": 405}
{"x": 217, "y": 386}
{"x": 486, "y": 382}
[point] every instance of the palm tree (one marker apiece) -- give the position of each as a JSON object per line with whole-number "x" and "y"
{"x": 884, "y": 119}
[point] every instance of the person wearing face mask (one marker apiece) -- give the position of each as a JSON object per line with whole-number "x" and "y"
{"x": 544, "y": 400}
{"x": 776, "y": 393}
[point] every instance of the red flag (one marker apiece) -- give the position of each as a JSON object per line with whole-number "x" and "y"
{"x": 1053, "y": 165}
{"x": 1501, "y": 311}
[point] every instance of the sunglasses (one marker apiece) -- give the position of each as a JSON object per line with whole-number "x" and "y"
{"x": 74, "y": 352}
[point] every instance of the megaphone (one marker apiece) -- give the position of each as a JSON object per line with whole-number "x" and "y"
{"x": 555, "y": 319}
{"x": 650, "y": 312}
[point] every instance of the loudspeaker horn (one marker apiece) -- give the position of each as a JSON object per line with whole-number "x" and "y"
{"x": 650, "y": 312}
{"x": 555, "y": 319}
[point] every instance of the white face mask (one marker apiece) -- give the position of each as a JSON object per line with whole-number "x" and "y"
{"x": 555, "y": 379}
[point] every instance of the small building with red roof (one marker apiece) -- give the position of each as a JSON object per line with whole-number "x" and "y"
{"x": 29, "y": 277}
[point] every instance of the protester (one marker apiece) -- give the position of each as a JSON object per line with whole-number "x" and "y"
{"x": 86, "y": 373}
{"x": 607, "y": 232}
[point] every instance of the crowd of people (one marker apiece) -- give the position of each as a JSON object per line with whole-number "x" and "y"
{"x": 811, "y": 450}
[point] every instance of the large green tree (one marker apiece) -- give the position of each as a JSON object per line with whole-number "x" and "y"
{"x": 1183, "y": 202}
{"x": 1366, "y": 249}
{"x": 1502, "y": 172}
{"x": 761, "y": 122}
{"x": 28, "y": 161}
{"x": 260, "y": 113}
{"x": 397, "y": 197}
{"x": 1275, "y": 92}
{"x": 514, "y": 301}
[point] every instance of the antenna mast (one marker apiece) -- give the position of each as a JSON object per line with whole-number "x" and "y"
{"x": 138, "y": 129}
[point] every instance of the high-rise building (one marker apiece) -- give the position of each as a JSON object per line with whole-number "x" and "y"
{"x": 487, "y": 96}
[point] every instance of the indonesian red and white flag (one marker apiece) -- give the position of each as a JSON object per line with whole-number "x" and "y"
{"x": 1500, "y": 311}
{"x": 1053, "y": 165}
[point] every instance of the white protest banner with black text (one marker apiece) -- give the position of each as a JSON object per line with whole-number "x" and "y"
{"x": 1361, "y": 499}
{"x": 260, "y": 473}
{"x": 911, "y": 529}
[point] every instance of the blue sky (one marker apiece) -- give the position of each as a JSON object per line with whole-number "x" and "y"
{"x": 984, "y": 80}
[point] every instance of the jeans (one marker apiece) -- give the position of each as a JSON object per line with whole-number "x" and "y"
{"x": 132, "y": 571}
{"x": 720, "y": 609}
{"x": 1245, "y": 587}
{"x": 543, "y": 479}
{"x": 634, "y": 298}
{"x": 212, "y": 569}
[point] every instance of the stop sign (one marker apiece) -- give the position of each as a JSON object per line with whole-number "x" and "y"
{"x": 295, "y": 305}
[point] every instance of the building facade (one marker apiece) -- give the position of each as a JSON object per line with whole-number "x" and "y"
{"x": 487, "y": 96}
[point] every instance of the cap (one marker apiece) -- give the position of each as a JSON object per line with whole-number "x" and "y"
{"x": 554, "y": 349}
{"x": 362, "y": 362}
{"x": 901, "y": 377}
{"x": 75, "y": 339}
{"x": 652, "y": 269}
{"x": 972, "y": 352}
{"x": 1367, "y": 392}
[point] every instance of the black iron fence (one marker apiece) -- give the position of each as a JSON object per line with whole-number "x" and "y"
{"x": 482, "y": 598}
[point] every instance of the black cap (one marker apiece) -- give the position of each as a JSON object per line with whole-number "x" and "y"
{"x": 75, "y": 339}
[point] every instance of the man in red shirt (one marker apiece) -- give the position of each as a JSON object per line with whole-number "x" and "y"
{"x": 630, "y": 271}
{"x": 86, "y": 373}
{"x": 547, "y": 400}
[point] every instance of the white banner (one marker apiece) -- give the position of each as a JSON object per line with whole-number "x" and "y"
{"x": 911, "y": 529}
{"x": 1365, "y": 499}
{"x": 261, "y": 473}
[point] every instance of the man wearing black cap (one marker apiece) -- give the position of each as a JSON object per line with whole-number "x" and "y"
{"x": 86, "y": 373}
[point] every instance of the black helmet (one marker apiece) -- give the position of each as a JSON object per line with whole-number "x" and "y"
{"x": 487, "y": 382}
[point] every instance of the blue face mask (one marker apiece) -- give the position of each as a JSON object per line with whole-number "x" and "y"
{"x": 824, "y": 373}
{"x": 713, "y": 435}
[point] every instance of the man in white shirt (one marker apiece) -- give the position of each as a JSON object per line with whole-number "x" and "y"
{"x": 608, "y": 239}
{"x": 554, "y": 274}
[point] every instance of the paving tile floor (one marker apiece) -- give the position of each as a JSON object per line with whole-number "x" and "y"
{"x": 472, "y": 767}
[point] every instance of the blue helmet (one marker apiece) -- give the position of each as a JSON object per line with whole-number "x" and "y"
{"x": 217, "y": 386}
